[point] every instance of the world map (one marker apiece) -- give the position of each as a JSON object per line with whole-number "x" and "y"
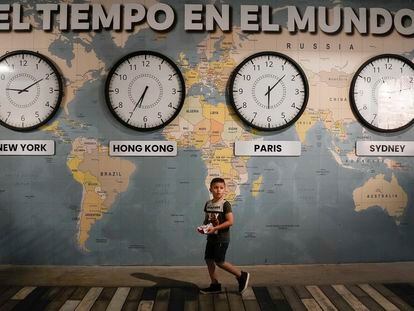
{"x": 82, "y": 206}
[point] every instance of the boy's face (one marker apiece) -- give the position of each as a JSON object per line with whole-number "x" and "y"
{"x": 218, "y": 190}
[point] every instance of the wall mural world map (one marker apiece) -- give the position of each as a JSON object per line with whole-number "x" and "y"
{"x": 82, "y": 206}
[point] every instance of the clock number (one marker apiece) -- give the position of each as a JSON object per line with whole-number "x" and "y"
{"x": 3, "y": 77}
{"x": 132, "y": 67}
{"x": 269, "y": 64}
{"x": 47, "y": 76}
{"x": 269, "y": 119}
{"x": 47, "y": 104}
{"x": 123, "y": 77}
{"x": 367, "y": 79}
{"x": 22, "y": 118}
{"x": 247, "y": 77}
{"x": 256, "y": 67}
{"x": 376, "y": 69}
{"x": 145, "y": 118}
{"x": 120, "y": 105}
{"x": 283, "y": 115}
{"x": 411, "y": 79}
{"x": 296, "y": 91}
{"x": 364, "y": 107}
{"x": 23, "y": 63}
{"x": 169, "y": 77}
{"x": 244, "y": 105}
{"x": 159, "y": 115}
{"x": 116, "y": 90}
{"x": 388, "y": 66}
{"x": 241, "y": 91}
{"x": 174, "y": 91}
{"x": 145, "y": 63}
{"x": 293, "y": 78}
{"x": 37, "y": 114}
{"x": 170, "y": 105}
{"x": 51, "y": 90}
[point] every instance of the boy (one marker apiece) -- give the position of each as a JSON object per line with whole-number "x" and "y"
{"x": 218, "y": 213}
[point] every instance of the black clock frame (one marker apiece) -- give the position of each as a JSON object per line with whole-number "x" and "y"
{"x": 60, "y": 82}
{"x": 116, "y": 66}
{"x": 354, "y": 108}
{"x": 297, "y": 67}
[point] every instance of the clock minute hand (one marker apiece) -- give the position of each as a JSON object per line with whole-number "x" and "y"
{"x": 141, "y": 99}
{"x": 27, "y": 87}
{"x": 269, "y": 90}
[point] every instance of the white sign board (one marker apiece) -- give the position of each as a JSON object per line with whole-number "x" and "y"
{"x": 153, "y": 148}
{"x": 27, "y": 147}
{"x": 267, "y": 148}
{"x": 385, "y": 148}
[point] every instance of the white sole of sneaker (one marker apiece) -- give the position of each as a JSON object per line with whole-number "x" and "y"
{"x": 247, "y": 283}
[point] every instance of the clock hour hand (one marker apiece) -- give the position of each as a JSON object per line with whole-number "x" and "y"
{"x": 18, "y": 90}
{"x": 26, "y": 88}
{"x": 268, "y": 97}
{"x": 269, "y": 90}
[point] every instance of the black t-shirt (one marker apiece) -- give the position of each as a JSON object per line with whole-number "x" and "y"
{"x": 218, "y": 210}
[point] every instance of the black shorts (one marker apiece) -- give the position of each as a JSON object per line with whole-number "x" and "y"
{"x": 216, "y": 251}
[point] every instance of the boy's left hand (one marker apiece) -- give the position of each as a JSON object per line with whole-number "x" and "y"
{"x": 211, "y": 230}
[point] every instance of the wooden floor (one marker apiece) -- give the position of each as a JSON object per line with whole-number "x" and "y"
{"x": 396, "y": 296}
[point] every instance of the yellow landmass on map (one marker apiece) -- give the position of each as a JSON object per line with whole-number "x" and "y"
{"x": 103, "y": 178}
{"x": 256, "y": 186}
{"x": 388, "y": 195}
{"x": 214, "y": 134}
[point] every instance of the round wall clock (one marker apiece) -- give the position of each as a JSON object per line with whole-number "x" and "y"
{"x": 382, "y": 93}
{"x": 268, "y": 91}
{"x": 145, "y": 90}
{"x": 31, "y": 90}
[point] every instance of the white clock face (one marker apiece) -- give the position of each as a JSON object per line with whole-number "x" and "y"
{"x": 31, "y": 90}
{"x": 382, "y": 93}
{"x": 145, "y": 90}
{"x": 269, "y": 91}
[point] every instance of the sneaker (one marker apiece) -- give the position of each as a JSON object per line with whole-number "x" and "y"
{"x": 212, "y": 289}
{"x": 243, "y": 281}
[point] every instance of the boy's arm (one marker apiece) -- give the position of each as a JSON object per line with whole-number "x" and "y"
{"x": 228, "y": 223}
{"x": 205, "y": 222}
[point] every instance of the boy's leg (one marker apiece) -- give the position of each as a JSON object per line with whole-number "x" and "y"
{"x": 211, "y": 266}
{"x": 229, "y": 268}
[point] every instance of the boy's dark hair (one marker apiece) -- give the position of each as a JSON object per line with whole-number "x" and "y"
{"x": 217, "y": 180}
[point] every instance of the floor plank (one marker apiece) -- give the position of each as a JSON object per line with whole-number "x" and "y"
{"x": 118, "y": 299}
{"x": 220, "y": 302}
{"x": 311, "y": 304}
{"x": 278, "y": 298}
{"x": 206, "y": 302}
{"x": 381, "y": 300}
{"x": 350, "y": 298}
{"x": 89, "y": 299}
{"x": 321, "y": 298}
{"x": 292, "y": 298}
{"x": 23, "y": 293}
{"x": 401, "y": 304}
{"x": 403, "y": 291}
{"x": 162, "y": 299}
{"x": 249, "y": 300}
{"x": 263, "y": 299}
{"x": 335, "y": 298}
{"x": 235, "y": 301}
{"x": 133, "y": 299}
